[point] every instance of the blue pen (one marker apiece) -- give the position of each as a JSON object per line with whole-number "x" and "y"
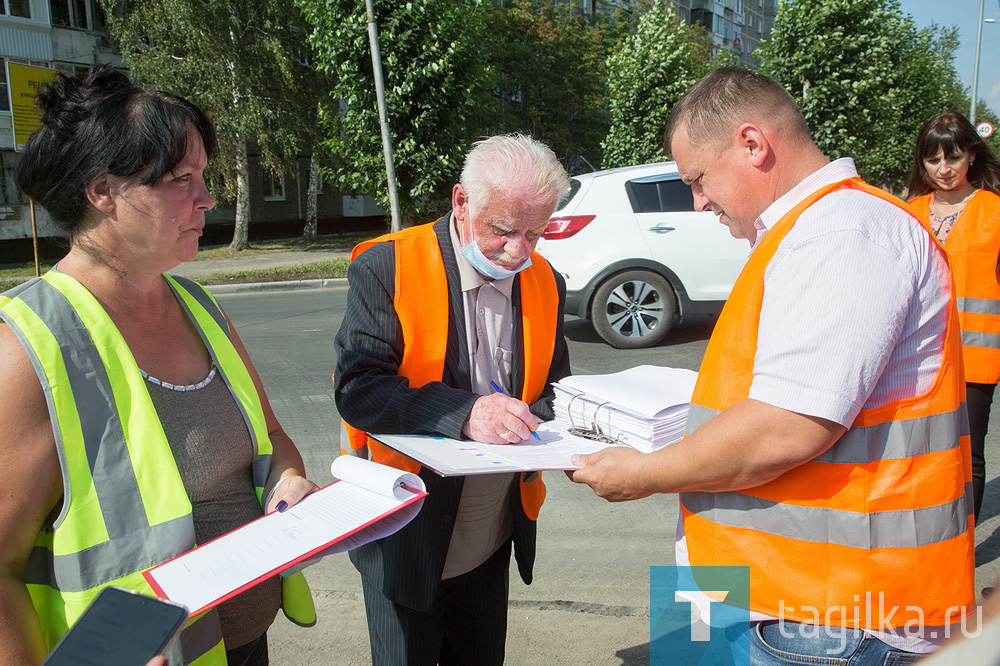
{"x": 500, "y": 390}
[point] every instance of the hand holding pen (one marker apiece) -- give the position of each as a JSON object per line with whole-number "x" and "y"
{"x": 501, "y": 392}
{"x": 500, "y": 419}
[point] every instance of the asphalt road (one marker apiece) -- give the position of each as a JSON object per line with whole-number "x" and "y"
{"x": 589, "y": 603}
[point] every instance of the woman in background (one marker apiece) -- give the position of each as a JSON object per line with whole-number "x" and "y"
{"x": 134, "y": 424}
{"x": 954, "y": 188}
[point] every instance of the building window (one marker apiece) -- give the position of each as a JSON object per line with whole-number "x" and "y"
{"x": 18, "y": 8}
{"x": 274, "y": 186}
{"x": 79, "y": 14}
{"x": 4, "y": 96}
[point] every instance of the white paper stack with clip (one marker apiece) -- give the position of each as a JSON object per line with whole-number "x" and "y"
{"x": 644, "y": 407}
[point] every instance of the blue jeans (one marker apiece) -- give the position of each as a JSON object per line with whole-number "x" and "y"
{"x": 766, "y": 643}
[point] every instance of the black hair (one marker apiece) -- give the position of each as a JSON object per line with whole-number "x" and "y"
{"x": 101, "y": 124}
{"x": 954, "y": 133}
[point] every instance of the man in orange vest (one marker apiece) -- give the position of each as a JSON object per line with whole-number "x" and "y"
{"x": 455, "y": 328}
{"x": 827, "y": 450}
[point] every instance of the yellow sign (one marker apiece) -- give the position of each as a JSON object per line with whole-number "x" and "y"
{"x": 25, "y": 81}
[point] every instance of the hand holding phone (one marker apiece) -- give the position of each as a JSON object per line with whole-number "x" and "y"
{"x": 119, "y": 628}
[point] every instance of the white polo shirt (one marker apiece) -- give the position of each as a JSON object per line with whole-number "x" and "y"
{"x": 854, "y": 314}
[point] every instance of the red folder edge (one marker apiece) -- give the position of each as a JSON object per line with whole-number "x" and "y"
{"x": 147, "y": 574}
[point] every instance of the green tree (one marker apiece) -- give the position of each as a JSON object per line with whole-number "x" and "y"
{"x": 241, "y": 61}
{"x": 432, "y": 71}
{"x": 550, "y": 75}
{"x": 865, "y": 78}
{"x": 646, "y": 77}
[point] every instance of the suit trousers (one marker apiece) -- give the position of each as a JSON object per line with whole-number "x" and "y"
{"x": 467, "y": 625}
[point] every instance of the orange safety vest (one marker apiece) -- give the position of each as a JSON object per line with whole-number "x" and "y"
{"x": 421, "y": 303}
{"x": 973, "y": 246}
{"x": 884, "y": 515}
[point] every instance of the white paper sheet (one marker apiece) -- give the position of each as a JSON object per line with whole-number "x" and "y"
{"x": 369, "y": 501}
{"x": 452, "y": 457}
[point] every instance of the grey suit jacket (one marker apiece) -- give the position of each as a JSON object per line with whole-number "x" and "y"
{"x": 370, "y": 395}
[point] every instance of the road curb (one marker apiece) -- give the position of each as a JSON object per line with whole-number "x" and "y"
{"x": 251, "y": 287}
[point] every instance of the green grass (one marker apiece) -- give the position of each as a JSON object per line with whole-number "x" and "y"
{"x": 342, "y": 242}
{"x": 12, "y": 275}
{"x": 336, "y": 268}
{"x": 21, "y": 270}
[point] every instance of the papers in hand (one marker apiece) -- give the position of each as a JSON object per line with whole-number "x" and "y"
{"x": 554, "y": 449}
{"x": 367, "y": 502}
{"x": 644, "y": 407}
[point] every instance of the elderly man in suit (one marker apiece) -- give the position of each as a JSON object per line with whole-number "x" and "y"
{"x": 438, "y": 317}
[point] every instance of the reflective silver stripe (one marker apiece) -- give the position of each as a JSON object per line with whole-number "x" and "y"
{"x": 528, "y": 477}
{"x": 56, "y": 432}
{"x": 104, "y": 440}
{"x": 199, "y": 294}
{"x": 978, "y": 305}
{"x": 899, "y": 439}
{"x": 88, "y": 568}
{"x": 886, "y": 441}
{"x": 261, "y": 468}
{"x": 980, "y": 339}
{"x": 14, "y": 292}
{"x": 201, "y": 636}
{"x": 884, "y": 529}
{"x": 697, "y": 417}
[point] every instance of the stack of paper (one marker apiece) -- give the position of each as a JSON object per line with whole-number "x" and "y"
{"x": 644, "y": 407}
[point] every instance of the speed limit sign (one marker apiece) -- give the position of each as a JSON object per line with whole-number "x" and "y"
{"x": 985, "y": 129}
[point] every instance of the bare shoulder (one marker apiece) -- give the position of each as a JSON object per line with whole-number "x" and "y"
{"x": 30, "y": 477}
{"x": 24, "y": 416}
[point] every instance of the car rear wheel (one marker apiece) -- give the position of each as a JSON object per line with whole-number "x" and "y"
{"x": 633, "y": 309}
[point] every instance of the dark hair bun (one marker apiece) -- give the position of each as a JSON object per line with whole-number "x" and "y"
{"x": 101, "y": 123}
{"x": 68, "y": 100}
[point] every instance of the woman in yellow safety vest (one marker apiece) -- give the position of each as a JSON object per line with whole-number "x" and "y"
{"x": 954, "y": 189}
{"x": 134, "y": 425}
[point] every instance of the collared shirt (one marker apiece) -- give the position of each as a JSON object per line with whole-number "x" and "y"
{"x": 854, "y": 313}
{"x": 484, "y": 520}
{"x": 855, "y": 307}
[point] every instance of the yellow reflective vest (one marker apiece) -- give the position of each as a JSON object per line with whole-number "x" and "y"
{"x": 124, "y": 507}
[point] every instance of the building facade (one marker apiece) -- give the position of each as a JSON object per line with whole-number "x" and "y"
{"x": 70, "y": 36}
{"x": 736, "y": 25}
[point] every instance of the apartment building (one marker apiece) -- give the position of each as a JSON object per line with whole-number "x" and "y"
{"x": 736, "y": 25}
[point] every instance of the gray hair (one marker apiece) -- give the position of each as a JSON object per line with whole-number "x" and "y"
{"x": 516, "y": 165}
{"x": 727, "y": 97}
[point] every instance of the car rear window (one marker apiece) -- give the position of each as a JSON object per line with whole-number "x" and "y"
{"x": 659, "y": 194}
{"x": 574, "y": 187}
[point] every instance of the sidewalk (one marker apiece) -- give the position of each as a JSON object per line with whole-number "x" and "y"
{"x": 199, "y": 268}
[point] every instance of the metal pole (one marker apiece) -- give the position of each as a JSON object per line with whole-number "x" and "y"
{"x": 34, "y": 237}
{"x": 390, "y": 170}
{"x": 975, "y": 70}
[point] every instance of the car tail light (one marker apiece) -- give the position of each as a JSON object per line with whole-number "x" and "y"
{"x": 564, "y": 227}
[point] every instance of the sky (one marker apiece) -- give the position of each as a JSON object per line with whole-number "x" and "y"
{"x": 965, "y": 14}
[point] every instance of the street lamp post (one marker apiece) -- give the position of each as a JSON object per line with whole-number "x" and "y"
{"x": 975, "y": 69}
{"x": 390, "y": 171}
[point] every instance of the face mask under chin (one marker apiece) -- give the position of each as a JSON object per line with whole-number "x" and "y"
{"x": 483, "y": 265}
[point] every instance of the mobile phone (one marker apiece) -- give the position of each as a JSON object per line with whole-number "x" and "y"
{"x": 119, "y": 628}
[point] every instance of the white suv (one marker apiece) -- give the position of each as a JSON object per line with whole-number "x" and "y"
{"x": 636, "y": 255}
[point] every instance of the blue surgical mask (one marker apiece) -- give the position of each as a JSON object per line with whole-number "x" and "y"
{"x": 482, "y": 264}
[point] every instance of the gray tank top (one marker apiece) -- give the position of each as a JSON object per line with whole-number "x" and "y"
{"x": 214, "y": 453}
